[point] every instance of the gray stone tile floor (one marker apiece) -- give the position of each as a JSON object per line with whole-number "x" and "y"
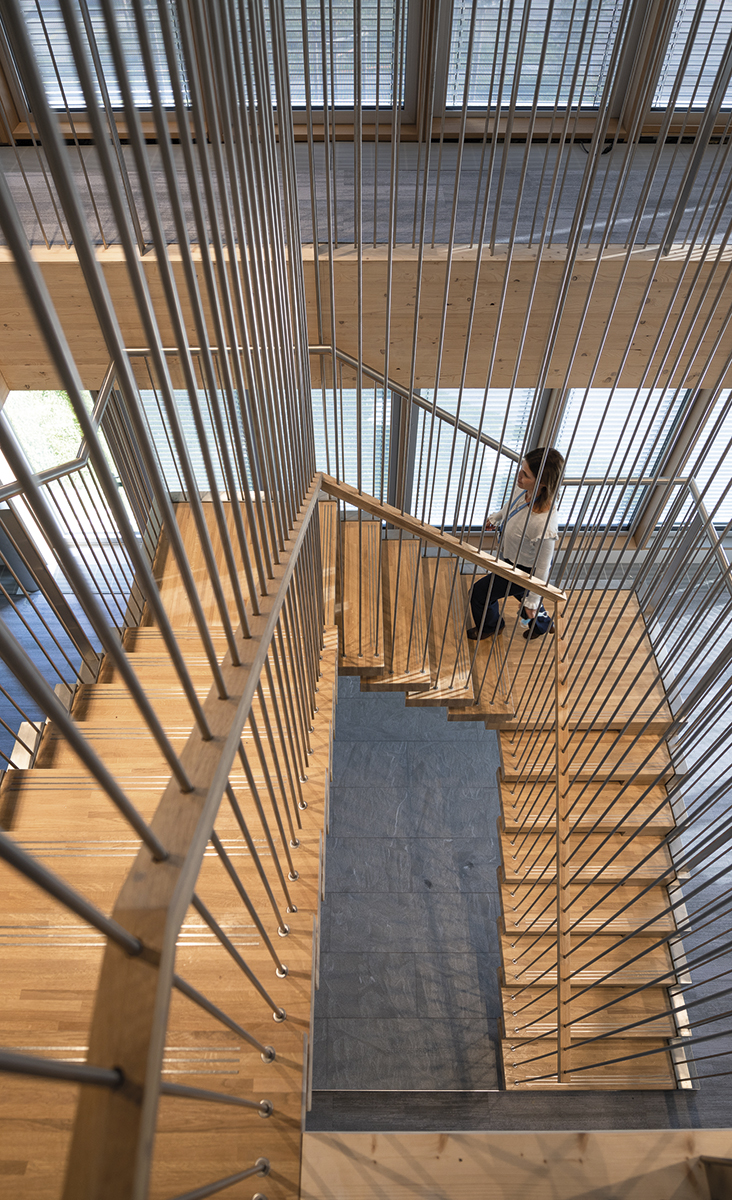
{"x": 408, "y": 992}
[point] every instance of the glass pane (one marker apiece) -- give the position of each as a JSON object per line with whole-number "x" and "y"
{"x": 337, "y": 441}
{"x": 45, "y": 25}
{"x": 606, "y": 434}
{"x": 378, "y": 22}
{"x": 711, "y": 467}
{"x": 461, "y": 485}
{"x": 46, "y": 426}
{"x": 496, "y": 45}
{"x": 707, "y": 50}
{"x": 160, "y": 432}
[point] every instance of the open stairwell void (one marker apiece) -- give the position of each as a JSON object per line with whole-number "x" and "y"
{"x": 590, "y": 907}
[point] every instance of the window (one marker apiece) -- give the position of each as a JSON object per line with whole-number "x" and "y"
{"x": 441, "y": 491}
{"x": 162, "y": 440}
{"x": 337, "y": 441}
{"x": 50, "y": 42}
{"x": 709, "y": 45}
{"x": 47, "y": 29}
{"x": 496, "y": 45}
{"x": 611, "y": 435}
{"x": 711, "y": 463}
{"x": 378, "y": 22}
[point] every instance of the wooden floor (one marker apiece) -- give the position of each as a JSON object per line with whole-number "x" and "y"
{"x": 52, "y": 959}
{"x": 618, "y": 770}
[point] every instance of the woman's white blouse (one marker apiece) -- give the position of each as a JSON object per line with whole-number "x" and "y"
{"x": 527, "y": 543}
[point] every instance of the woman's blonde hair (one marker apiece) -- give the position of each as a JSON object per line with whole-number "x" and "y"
{"x": 551, "y": 474}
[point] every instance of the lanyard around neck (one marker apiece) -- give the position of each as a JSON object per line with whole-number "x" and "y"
{"x": 516, "y": 507}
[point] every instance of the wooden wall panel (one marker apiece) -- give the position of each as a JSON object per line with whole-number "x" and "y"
{"x": 24, "y": 361}
{"x": 637, "y": 1165}
{"x": 650, "y": 313}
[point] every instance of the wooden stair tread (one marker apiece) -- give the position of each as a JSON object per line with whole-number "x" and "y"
{"x": 528, "y": 960}
{"x": 596, "y": 754}
{"x": 646, "y": 908}
{"x": 532, "y": 1013}
{"x": 491, "y": 685}
{"x": 617, "y": 671}
{"x": 445, "y": 598}
{"x": 531, "y": 803}
{"x": 533, "y": 855}
{"x": 362, "y": 638}
{"x": 523, "y": 1061}
{"x": 405, "y": 620}
{"x": 172, "y": 589}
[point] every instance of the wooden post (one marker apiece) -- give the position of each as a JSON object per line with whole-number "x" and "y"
{"x": 564, "y": 1033}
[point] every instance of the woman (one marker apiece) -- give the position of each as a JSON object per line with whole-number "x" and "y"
{"x": 528, "y": 542}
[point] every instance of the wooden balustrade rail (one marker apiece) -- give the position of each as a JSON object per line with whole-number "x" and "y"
{"x": 444, "y": 541}
{"x": 112, "y": 1146}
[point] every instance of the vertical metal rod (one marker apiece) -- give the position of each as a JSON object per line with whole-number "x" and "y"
{"x": 282, "y": 928}
{"x": 236, "y": 880}
{"x": 294, "y": 874}
{"x": 294, "y": 841}
{"x": 265, "y": 826}
{"x": 205, "y": 914}
{"x": 295, "y": 789}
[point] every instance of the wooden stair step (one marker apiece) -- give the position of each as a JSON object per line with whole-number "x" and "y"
{"x": 620, "y": 721}
{"x": 40, "y": 802}
{"x": 528, "y": 804}
{"x": 172, "y": 590}
{"x": 531, "y": 1012}
{"x": 491, "y": 684}
{"x": 626, "y": 668}
{"x": 528, "y": 907}
{"x": 592, "y": 1067}
{"x": 121, "y": 746}
{"x": 446, "y": 597}
{"x": 598, "y": 755}
{"x": 532, "y": 855}
{"x": 362, "y": 622}
{"x": 110, "y": 703}
{"x": 405, "y": 620}
{"x": 328, "y": 517}
{"x": 528, "y": 960}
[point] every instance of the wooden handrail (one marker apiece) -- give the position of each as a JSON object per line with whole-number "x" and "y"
{"x": 445, "y": 541}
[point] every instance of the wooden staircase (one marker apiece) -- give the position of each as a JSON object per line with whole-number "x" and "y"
{"x": 52, "y": 959}
{"x": 402, "y": 609}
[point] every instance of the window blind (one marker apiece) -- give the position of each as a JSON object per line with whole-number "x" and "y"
{"x": 162, "y": 438}
{"x": 711, "y": 466}
{"x": 496, "y": 43}
{"x": 43, "y": 17}
{"x": 343, "y": 451}
{"x": 706, "y": 55}
{"x": 462, "y": 499}
{"x": 378, "y": 25}
{"x": 625, "y": 437}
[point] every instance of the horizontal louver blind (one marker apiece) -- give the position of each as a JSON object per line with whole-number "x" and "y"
{"x": 45, "y": 23}
{"x": 612, "y": 435}
{"x": 495, "y": 49}
{"x": 162, "y": 439}
{"x": 377, "y": 53}
{"x": 475, "y": 485}
{"x": 706, "y": 55}
{"x": 711, "y": 465}
{"x": 337, "y": 441}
